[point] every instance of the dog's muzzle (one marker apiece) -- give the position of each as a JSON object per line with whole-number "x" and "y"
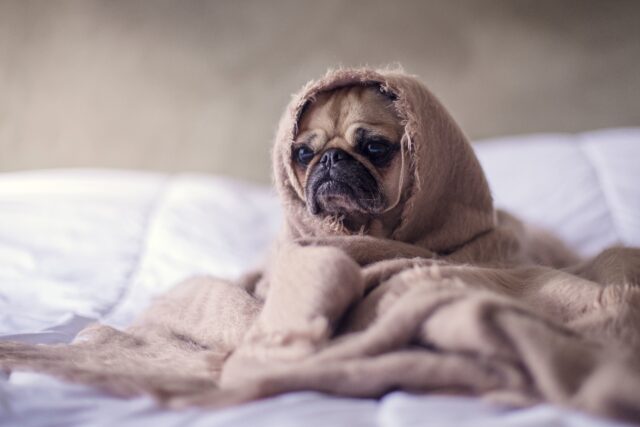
{"x": 339, "y": 183}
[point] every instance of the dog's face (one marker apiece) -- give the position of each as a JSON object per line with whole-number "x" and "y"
{"x": 347, "y": 155}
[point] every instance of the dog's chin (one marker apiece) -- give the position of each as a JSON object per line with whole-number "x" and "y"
{"x": 337, "y": 198}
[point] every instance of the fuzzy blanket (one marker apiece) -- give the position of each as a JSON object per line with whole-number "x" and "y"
{"x": 454, "y": 298}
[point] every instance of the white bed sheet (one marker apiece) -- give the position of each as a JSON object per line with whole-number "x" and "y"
{"x": 78, "y": 246}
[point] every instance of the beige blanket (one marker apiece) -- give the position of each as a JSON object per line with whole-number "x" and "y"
{"x": 454, "y": 298}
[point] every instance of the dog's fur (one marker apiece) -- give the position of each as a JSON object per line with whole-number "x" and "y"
{"x": 359, "y": 188}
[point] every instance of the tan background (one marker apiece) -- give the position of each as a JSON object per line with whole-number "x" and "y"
{"x": 199, "y": 85}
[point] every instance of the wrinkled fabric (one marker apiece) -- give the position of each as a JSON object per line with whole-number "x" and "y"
{"x": 457, "y": 298}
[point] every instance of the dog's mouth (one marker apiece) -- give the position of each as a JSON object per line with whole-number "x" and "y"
{"x": 337, "y": 196}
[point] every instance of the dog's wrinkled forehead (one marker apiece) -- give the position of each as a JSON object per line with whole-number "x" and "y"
{"x": 340, "y": 114}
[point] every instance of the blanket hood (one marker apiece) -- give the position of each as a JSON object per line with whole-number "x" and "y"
{"x": 446, "y": 202}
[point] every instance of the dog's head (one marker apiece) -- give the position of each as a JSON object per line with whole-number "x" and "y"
{"x": 374, "y": 152}
{"x": 347, "y": 155}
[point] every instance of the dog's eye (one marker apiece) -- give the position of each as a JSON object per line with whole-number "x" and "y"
{"x": 376, "y": 149}
{"x": 303, "y": 154}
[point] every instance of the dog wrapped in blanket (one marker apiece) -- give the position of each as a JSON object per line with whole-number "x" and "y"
{"x": 393, "y": 271}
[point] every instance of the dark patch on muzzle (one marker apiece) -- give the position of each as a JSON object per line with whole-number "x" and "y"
{"x": 339, "y": 184}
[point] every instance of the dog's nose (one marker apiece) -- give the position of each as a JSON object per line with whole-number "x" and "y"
{"x": 332, "y": 156}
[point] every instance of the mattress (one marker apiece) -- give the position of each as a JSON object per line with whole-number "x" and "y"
{"x": 79, "y": 246}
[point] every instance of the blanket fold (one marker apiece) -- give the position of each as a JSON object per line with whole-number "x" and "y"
{"x": 457, "y": 298}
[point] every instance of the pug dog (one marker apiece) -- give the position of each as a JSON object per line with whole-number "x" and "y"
{"x": 349, "y": 160}
{"x": 348, "y": 157}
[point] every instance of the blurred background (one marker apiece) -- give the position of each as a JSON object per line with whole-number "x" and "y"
{"x": 199, "y": 85}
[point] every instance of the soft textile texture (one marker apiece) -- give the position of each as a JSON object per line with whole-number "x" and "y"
{"x": 457, "y": 299}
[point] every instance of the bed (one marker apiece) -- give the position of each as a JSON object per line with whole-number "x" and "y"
{"x": 79, "y": 246}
